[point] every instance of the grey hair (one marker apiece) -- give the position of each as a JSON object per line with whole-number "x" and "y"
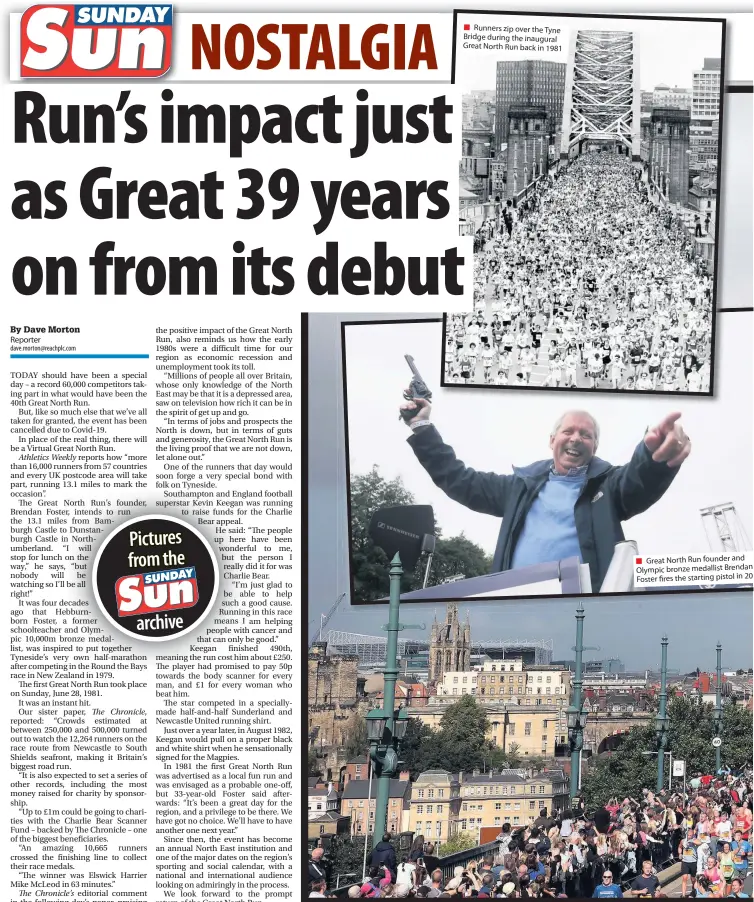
{"x": 559, "y": 423}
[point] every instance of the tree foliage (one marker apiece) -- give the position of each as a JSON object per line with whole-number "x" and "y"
{"x": 371, "y": 568}
{"x": 313, "y": 766}
{"x": 690, "y": 732}
{"x": 458, "y": 556}
{"x": 417, "y": 733}
{"x": 459, "y": 842}
{"x": 459, "y": 744}
{"x": 347, "y": 856}
{"x": 358, "y": 741}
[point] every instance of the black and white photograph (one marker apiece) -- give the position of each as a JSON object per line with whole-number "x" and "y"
{"x": 589, "y": 181}
{"x": 526, "y": 493}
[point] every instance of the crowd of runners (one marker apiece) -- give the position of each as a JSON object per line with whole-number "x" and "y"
{"x": 660, "y": 844}
{"x": 589, "y": 283}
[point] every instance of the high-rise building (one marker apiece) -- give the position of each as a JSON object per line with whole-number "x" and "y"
{"x": 704, "y": 146}
{"x": 449, "y": 645}
{"x": 705, "y": 99}
{"x": 526, "y": 82}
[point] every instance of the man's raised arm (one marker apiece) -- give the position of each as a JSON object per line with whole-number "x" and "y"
{"x": 482, "y": 492}
{"x": 653, "y": 467}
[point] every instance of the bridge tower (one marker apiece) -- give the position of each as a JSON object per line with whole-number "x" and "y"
{"x": 602, "y": 100}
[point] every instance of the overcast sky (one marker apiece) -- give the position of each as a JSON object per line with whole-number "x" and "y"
{"x": 669, "y": 51}
{"x": 496, "y": 429}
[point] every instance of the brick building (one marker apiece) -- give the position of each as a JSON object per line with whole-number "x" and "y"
{"x": 359, "y": 804}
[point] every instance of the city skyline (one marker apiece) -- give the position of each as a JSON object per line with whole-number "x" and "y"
{"x": 670, "y": 50}
{"x": 618, "y": 627}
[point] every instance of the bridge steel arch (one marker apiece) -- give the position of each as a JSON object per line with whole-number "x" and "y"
{"x": 602, "y": 99}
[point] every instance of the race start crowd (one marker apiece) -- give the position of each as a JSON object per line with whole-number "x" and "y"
{"x": 589, "y": 283}
{"x": 616, "y": 851}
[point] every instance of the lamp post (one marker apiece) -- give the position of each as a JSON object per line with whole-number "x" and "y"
{"x": 575, "y": 715}
{"x": 386, "y": 727}
{"x": 718, "y": 707}
{"x": 661, "y": 721}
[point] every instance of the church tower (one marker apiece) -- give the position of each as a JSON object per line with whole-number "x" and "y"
{"x": 449, "y": 645}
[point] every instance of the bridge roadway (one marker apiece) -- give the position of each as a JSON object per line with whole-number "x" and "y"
{"x": 569, "y": 224}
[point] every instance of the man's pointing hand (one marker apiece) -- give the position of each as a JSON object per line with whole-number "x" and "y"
{"x": 667, "y": 442}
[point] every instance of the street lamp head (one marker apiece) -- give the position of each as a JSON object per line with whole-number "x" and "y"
{"x": 400, "y": 723}
{"x": 376, "y": 721}
{"x": 572, "y": 717}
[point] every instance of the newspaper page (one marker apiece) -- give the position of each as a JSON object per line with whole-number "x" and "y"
{"x": 256, "y": 263}
{"x": 182, "y": 187}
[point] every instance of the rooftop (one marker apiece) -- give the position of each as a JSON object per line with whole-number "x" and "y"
{"x": 359, "y": 789}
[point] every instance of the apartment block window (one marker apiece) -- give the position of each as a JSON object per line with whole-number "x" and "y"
{"x": 430, "y": 809}
{"x": 527, "y": 728}
{"x": 420, "y": 809}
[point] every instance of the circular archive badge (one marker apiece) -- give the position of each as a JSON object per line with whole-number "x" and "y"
{"x": 155, "y": 578}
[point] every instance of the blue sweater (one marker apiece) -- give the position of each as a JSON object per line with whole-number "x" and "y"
{"x": 549, "y": 531}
